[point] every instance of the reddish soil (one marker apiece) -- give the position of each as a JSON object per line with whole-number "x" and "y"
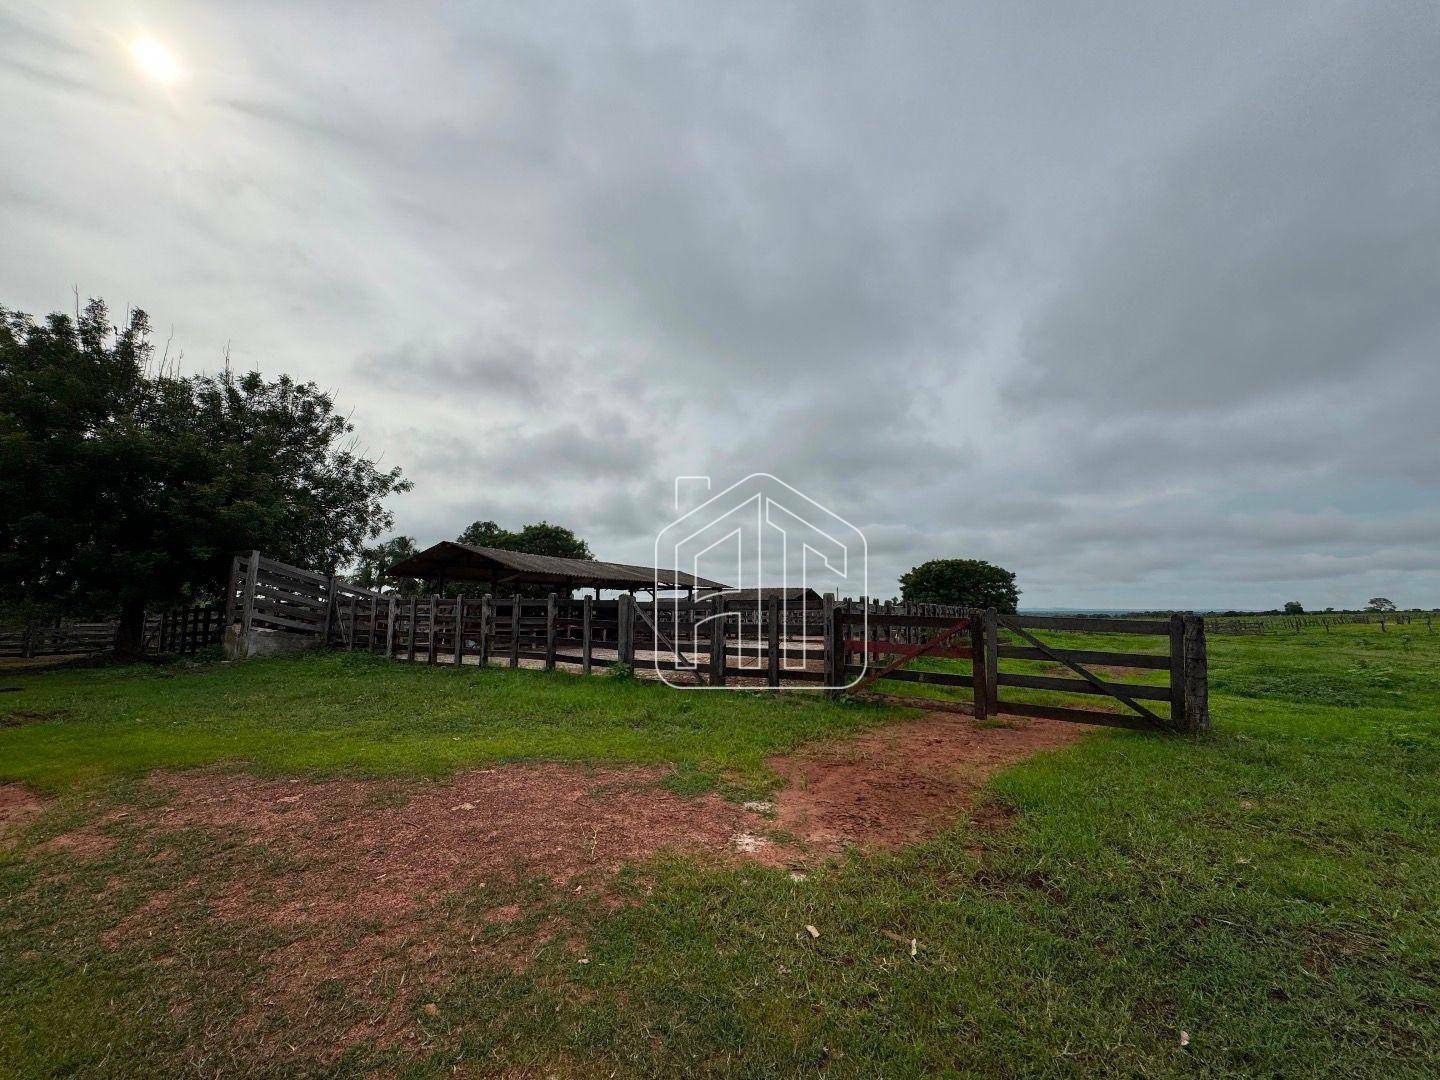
{"x": 375, "y": 850}
{"x": 895, "y": 785}
{"x": 18, "y": 804}
{"x": 357, "y": 873}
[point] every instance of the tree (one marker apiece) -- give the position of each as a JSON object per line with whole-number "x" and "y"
{"x": 369, "y": 571}
{"x": 1379, "y": 603}
{"x": 123, "y": 486}
{"x": 1294, "y": 607}
{"x": 541, "y": 538}
{"x": 968, "y": 582}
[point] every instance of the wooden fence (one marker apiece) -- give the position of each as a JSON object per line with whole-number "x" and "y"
{"x": 756, "y": 643}
{"x": 183, "y": 631}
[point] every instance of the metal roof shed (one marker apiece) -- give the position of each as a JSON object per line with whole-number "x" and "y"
{"x": 450, "y": 560}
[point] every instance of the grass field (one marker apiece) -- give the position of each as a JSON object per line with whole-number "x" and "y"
{"x": 1267, "y": 890}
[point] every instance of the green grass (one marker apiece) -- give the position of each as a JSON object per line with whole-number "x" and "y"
{"x": 342, "y": 713}
{"x": 1268, "y": 889}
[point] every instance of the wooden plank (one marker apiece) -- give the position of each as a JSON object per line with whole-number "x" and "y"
{"x": 329, "y": 609}
{"x": 457, "y": 647}
{"x": 350, "y": 629}
{"x": 772, "y": 642}
{"x": 881, "y": 621}
{"x": 932, "y": 678}
{"x": 992, "y": 661}
{"x": 885, "y": 648}
{"x": 625, "y": 630}
{"x": 1196, "y": 716}
{"x": 550, "y": 632}
{"x": 912, "y": 652}
{"x": 717, "y": 668}
{"x": 247, "y": 611}
{"x": 1079, "y": 716}
{"x": 309, "y": 616}
{"x": 980, "y": 670}
{"x": 1115, "y": 691}
{"x": 832, "y": 628}
{"x": 1158, "y": 627}
{"x": 299, "y": 573}
{"x": 390, "y": 628}
{"x": 433, "y": 641}
{"x": 268, "y": 619}
{"x": 515, "y": 632}
{"x": 1176, "y": 663}
{"x": 410, "y": 643}
{"x": 1089, "y": 656}
{"x": 487, "y": 628}
{"x": 1080, "y": 686}
{"x": 587, "y": 649}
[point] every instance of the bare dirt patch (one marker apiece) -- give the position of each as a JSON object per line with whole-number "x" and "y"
{"x": 897, "y": 784}
{"x": 18, "y": 805}
{"x": 387, "y": 889}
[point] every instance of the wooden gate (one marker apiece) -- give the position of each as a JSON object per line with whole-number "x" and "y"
{"x": 891, "y": 643}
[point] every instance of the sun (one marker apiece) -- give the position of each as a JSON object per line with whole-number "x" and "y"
{"x": 155, "y": 60}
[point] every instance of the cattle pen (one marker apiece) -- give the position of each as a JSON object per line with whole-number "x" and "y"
{"x": 746, "y": 640}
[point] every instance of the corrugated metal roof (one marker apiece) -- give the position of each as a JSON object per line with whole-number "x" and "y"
{"x": 470, "y": 562}
{"x": 790, "y": 595}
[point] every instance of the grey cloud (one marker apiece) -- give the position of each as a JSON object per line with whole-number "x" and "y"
{"x": 1138, "y": 301}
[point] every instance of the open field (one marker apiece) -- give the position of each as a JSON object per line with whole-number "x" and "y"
{"x": 1257, "y": 901}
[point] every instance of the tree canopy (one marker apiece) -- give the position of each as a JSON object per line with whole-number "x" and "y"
{"x": 967, "y": 582}
{"x": 540, "y": 538}
{"x": 1294, "y": 607}
{"x": 368, "y": 570}
{"x": 123, "y": 486}
{"x": 1379, "y": 603}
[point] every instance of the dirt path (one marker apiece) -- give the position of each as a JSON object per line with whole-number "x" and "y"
{"x": 897, "y": 784}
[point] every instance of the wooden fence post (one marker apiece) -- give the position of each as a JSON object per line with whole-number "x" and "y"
{"x": 979, "y": 666}
{"x": 587, "y": 646}
{"x": 247, "y": 611}
{"x": 717, "y": 644}
{"x": 410, "y": 642}
{"x": 515, "y": 631}
{"x": 434, "y": 626}
{"x": 390, "y": 616}
{"x": 487, "y": 619}
{"x": 235, "y": 580}
{"x": 459, "y": 631}
{"x": 330, "y": 586}
{"x": 1177, "y": 671}
{"x": 992, "y": 662}
{"x": 772, "y": 642}
{"x": 374, "y": 620}
{"x": 1197, "y": 688}
{"x": 550, "y": 632}
{"x": 828, "y": 623}
{"x": 625, "y": 631}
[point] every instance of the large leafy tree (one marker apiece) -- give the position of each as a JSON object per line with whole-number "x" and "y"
{"x": 123, "y": 486}
{"x": 968, "y": 582}
{"x": 540, "y": 538}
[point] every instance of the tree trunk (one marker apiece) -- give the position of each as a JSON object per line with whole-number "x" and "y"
{"x": 130, "y": 634}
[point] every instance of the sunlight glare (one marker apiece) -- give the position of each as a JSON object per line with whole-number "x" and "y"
{"x": 155, "y": 60}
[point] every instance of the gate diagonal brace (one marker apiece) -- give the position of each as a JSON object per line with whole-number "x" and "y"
{"x": 912, "y": 653}
{"x": 1099, "y": 684}
{"x": 693, "y": 672}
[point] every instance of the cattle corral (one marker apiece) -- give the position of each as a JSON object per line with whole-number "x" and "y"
{"x": 753, "y": 640}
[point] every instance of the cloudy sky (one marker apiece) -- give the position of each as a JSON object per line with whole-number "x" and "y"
{"x": 1140, "y": 300}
